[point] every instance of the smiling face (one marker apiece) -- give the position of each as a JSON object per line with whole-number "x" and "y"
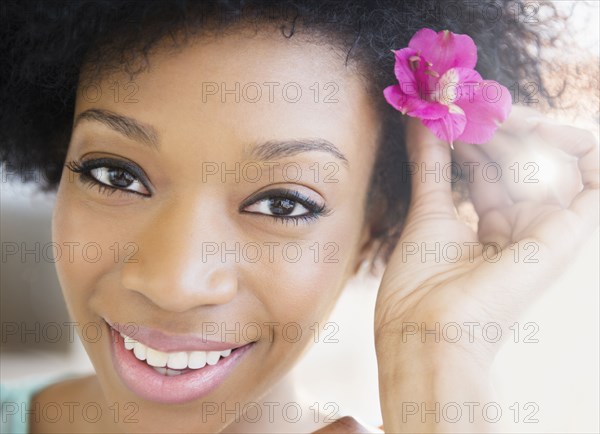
{"x": 236, "y": 223}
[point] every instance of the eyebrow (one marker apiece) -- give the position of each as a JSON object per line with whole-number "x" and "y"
{"x": 122, "y": 124}
{"x": 270, "y": 150}
{"x": 275, "y": 149}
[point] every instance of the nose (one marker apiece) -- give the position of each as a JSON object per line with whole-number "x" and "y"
{"x": 171, "y": 267}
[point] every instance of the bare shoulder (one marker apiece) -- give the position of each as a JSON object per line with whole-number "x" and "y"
{"x": 347, "y": 425}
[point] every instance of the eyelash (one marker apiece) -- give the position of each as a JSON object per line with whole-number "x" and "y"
{"x": 315, "y": 210}
{"x": 84, "y": 168}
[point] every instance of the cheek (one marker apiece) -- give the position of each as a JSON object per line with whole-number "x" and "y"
{"x": 91, "y": 248}
{"x": 296, "y": 292}
{"x": 301, "y": 286}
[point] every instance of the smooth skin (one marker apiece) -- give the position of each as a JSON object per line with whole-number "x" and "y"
{"x": 174, "y": 285}
{"x": 537, "y": 227}
{"x": 171, "y": 287}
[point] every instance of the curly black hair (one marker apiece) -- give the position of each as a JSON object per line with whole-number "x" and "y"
{"x": 45, "y": 45}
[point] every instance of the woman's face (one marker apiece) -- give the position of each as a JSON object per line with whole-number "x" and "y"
{"x": 243, "y": 163}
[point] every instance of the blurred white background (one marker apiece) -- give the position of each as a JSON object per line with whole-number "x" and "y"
{"x": 559, "y": 373}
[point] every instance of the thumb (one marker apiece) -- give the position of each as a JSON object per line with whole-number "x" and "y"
{"x": 430, "y": 169}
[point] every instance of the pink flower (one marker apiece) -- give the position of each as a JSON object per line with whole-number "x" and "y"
{"x": 439, "y": 85}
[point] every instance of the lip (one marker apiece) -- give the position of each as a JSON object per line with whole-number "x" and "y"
{"x": 146, "y": 382}
{"x": 170, "y": 343}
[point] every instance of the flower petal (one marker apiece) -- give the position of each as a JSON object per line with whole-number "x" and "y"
{"x": 413, "y": 105}
{"x": 448, "y": 128}
{"x": 455, "y": 82}
{"x": 486, "y": 106}
{"x": 445, "y": 49}
{"x": 402, "y": 68}
{"x": 395, "y": 97}
{"x": 422, "y": 109}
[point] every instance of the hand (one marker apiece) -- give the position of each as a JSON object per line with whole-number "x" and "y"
{"x": 531, "y": 231}
{"x": 538, "y": 226}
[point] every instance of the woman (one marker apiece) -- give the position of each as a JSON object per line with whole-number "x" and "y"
{"x": 234, "y": 165}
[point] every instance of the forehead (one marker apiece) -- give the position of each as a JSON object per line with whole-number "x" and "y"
{"x": 242, "y": 88}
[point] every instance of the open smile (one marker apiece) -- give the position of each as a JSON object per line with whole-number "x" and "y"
{"x": 173, "y": 377}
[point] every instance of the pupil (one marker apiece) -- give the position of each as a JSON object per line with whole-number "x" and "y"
{"x": 281, "y": 206}
{"x": 120, "y": 178}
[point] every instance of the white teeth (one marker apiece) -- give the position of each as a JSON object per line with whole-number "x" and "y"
{"x": 129, "y": 342}
{"x": 168, "y": 372}
{"x": 156, "y": 358}
{"x": 165, "y": 363}
{"x": 197, "y": 359}
{"x": 140, "y": 351}
{"x": 213, "y": 357}
{"x": 178, "y": 360}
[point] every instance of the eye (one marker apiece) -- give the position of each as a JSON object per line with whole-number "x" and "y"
{"x": 280, "y": 206}
{"x": 284, "y": 205}
{"x": 111, "y": 175}
{"x": 118, "y": 178}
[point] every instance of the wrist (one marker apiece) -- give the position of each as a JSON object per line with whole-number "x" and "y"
{"x": 416, "y": 384}
{"x": 433, "y": 346}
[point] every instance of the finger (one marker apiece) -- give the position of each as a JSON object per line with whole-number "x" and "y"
{"x": 583, "y": 146}
{"x": 489, "y": 196}
{"x": 535, "y": 163}
{"x": 521, "y": 121}
{"x": 495, "y": 227}
{"x": 486, "y": 193}
{"x": 574, "y": 141}
{"x": 429, "y": 156}
{"x": 586, "y": 204}
{"x": 557, "y": 234}
{"x": 544, "y": 246}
